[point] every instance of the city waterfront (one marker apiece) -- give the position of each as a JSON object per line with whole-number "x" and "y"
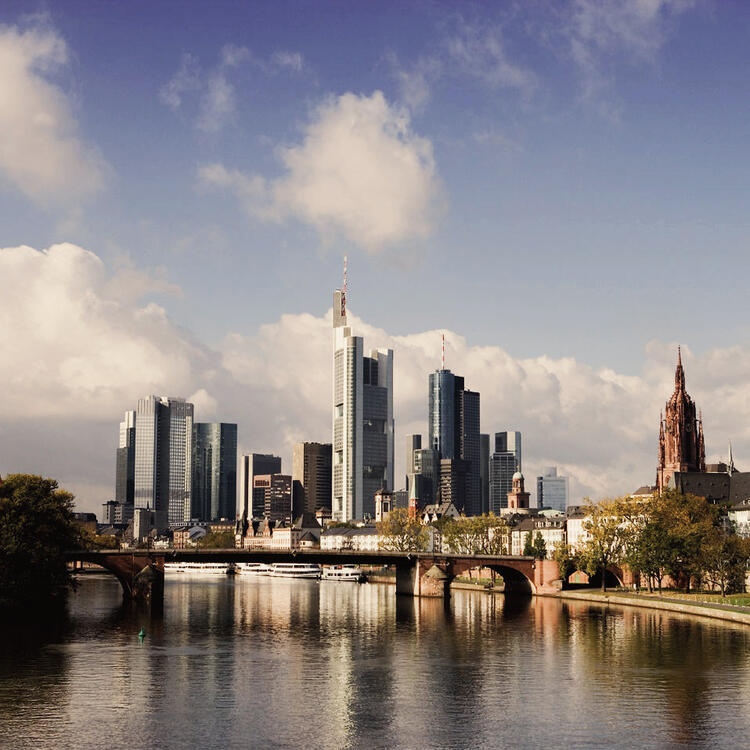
{"x": 258, "y": 662}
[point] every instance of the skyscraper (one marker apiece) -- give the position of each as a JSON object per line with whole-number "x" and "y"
{"x": 163, "y": 457}
{"x": 484, "y": 471}
{"x": 311, "y": 477}
{"x": 362, "y": 420}
{"x": 251, "y": 501}
{"x": 214, "y": 470}
{"x": 125, "y": 468}
{"x": 504, "y": 462}
{"x": 454, "y": 417}
{"x": 551, "y": 490}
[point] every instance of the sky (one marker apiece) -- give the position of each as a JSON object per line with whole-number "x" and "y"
{"x": 559, "y": 187}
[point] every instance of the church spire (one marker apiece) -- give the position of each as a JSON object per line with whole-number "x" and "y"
{"x": 679, "y": 374}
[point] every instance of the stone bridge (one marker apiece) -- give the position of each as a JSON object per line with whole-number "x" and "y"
{"x": 141, "y": 572}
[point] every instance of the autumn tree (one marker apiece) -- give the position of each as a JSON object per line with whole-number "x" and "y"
{"x": 476, "y": 535}
{"x": 217, "y": 540}
{"x": 400, "y": 532}
{"x": 724, "y": 559}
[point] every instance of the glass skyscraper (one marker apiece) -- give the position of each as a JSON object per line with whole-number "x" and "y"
{"x": 214, "y": 490}
{"x": 504, "y": 462}
{"x": 551, "y": 490}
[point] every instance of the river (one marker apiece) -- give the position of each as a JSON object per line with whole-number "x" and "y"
{"x": 268, "y": 663}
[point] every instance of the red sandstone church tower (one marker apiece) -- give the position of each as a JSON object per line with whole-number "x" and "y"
{"x": 681, "y": 446}
{"x": 518, "y": 498}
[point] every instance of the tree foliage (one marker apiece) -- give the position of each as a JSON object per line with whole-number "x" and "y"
{"x": 539, "y": 548}
{"x": 476, "y": 535}
{"x": 400, "y": 532}
{"x": 36, "y": 528}
{"x": 217, "y": 540}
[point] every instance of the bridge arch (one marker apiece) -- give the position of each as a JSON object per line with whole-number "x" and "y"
{"x": 141, "y": 574}
{"x": 517, "y": 576}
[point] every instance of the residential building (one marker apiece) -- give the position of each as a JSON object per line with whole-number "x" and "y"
{"x": 362, "y": 420}
{"x": 551, "y": 528}
{"x": 148, "y": 522}
{"x": 362, "y": 539}
{"x": 185, "y": 537}
{"x": 214, "y": 487}
{"x": 114, "y": 512}
{"x": 163, "y": 457}
{"x": 312, "y": 465}
{"x": 453, "y": 421}
{"x": 277, "y": 496}
{"x": 250, "y": 500}
{"x": 503, "y": 463}
{"x": 552, "y": 490}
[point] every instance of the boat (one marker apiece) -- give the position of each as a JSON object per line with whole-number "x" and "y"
{"x": 256, "y": 569}
{"x": 295, "y": 570}
{"x": 343, "y": 573}
{"x": 194, "y": 568}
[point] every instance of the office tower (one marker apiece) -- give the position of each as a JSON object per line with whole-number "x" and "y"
{"x": 484, "y": 471}
{"x": 504, "y": 462}
{"x": 251, "y": 503}
{"x": 426, "y": 476}
{"x": 116, "y": 512}
{"x": 551, "y": 490}
{"x": 312, "y": 465}
{"x": 214, "y": 470}
{"x": 413, "y": 443}
{"x": 453, "y": 479}
{"x": 163, "y": 457}
{"x": 454, "y": 432}
{"x": 125, "y": 468}
{"x": 362, "y": 420}
{"x": 277, "y": 496}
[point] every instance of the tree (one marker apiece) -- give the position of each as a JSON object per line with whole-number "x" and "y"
{"x": 652, "y": 550}
{"x": 217, "y": 540}
{"x": 539, "y": 547}
{"x": 476, "y": 535}
{"x": 36, "y": 529}
{"x": 528, "y": 546}
{"x": 609, "y": 524}
{"x": 724, "y": 558}
{"x": 400, "y": 532}
{"x": 567, "y": 560}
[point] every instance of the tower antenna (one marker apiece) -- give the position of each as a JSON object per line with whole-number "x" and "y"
{"x": 443, "y": 353}
{"x": 343, "y": 293}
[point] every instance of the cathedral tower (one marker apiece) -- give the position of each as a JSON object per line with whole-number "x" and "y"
{"x": 681, "y": 446}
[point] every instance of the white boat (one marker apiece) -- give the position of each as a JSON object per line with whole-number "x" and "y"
{"x": 194, "y": 568}
{"x": 256, "y": 569}
{"x": 343, "y": 573}
{"x": 295, "y": 570}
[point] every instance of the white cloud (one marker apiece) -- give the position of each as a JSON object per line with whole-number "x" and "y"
{"x": 360, "y": 170}
{"x": 41, "y": 153}
{"x": 79, "y": 348}
{"x": 214, "y": 93}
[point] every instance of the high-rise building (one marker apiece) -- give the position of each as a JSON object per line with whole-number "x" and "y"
{"x": 681, "y": 444}
{"x": 504, "y": 462}
{"x": 454, "y": 417}
{"x": 312, "y": 465}
{"x": 277, "y": 496}
{"x": 552, "y": 490}
{"x": 484, "y": 471}
{"x": 250, "y": 502}
{"x": 426, "y": 476}
{"x": 453, "y": 480}
{"x": 362, "y": 420}
{"x": 125, "y": 468}
{"x": 163, "y": 457}
{"x": 214, "y": 490}
{"x": 413, "y": 444}
{"x": 114, "y": 511}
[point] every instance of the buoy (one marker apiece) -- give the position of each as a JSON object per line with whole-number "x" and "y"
{"x": 141, "y": 635}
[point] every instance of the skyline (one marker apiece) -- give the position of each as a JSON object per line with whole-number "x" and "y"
{"x": 602, "y": 222}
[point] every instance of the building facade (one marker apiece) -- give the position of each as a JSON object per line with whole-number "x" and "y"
{"x": 277, "y": 496}
{"x": 312, "y": 465}
{"x": 125, "y": 462}
{"x": 362, "y": 420}
{"x": 214, "y": 490}
{"x": 163, "y": 457}
{"x": 552, "y": 490}
{"x": 251, "y": 501}
{"x": 504, "y": 462}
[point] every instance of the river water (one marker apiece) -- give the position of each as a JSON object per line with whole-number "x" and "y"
{"x": 267, "y": 663}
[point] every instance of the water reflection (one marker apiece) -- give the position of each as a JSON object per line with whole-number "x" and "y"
{"x": 274, "y": 663}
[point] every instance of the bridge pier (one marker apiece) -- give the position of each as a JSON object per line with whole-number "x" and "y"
{"x": 413, "y": 580}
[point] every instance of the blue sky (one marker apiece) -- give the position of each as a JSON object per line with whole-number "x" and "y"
{"x": 556, "y": 180}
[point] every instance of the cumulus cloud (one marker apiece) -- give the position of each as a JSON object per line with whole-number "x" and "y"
{"x": 79, "y": 349}
{"x": 41, "y": 152}
{"x": 360, "y": 170}
{"x": 215, "y": 94}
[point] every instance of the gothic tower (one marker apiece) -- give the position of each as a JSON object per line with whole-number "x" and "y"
{"x": 681, "y": 446}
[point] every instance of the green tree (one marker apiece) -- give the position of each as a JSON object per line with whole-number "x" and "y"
{"x": 539, "y": 547}
{"x": 476, "y": 535}
{"x": 652, "y": 550}
{"x": 610, "y": 525}
{"x": 36, "y": 529}
{"x": 528, "y": 545}
{"x": 400, "y": 532}
{"x": 217, "y": 540}
{"x": 567, "y": 560}
{"x": 724, "y": 559}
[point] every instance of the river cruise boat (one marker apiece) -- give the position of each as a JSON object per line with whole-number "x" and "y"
{"x": 295, "y": 570}
{"x": 255, "y": 569}
{"x": 343, "y": 573}
{"x": 204, "y": 569}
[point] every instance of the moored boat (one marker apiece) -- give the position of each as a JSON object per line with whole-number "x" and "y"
{"x": 196, "y": 568}
{"x": 343, "y": 573}
{"x": 295, "y": 570}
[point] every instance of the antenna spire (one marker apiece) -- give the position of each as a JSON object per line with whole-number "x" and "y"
{"x": 443, "y": 353}
{"x": 343, "y": 293}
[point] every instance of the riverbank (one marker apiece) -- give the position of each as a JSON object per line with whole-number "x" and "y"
{"x": 701, "y": 609}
